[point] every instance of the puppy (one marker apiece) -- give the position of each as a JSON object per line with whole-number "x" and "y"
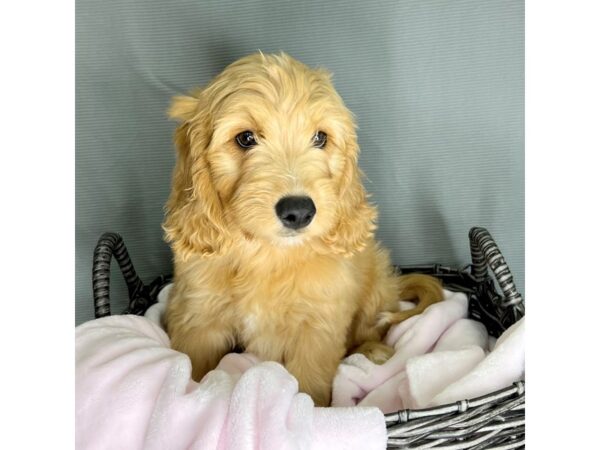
{"x": 271, "y": 230}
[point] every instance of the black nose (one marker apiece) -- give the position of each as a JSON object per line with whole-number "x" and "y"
{"x": 295, "y": 212}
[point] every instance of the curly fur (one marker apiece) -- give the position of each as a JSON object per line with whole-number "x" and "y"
{"x": 304, "y": 298}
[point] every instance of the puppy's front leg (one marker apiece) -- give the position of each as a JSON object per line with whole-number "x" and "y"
{"x": 313, "y": 359}
{"x": 199, "y": 328}
{"x": 205, "y": 345}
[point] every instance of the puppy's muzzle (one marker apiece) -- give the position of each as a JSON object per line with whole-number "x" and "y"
{"x": 295, "y": 212}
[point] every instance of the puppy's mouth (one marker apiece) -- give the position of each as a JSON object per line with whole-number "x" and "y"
{"x": 290, "y": 233}
{"x": 290, "y": 238}
{"x": 283, "y": 238}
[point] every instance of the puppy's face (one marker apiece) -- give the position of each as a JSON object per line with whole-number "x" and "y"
{"x": 267, "y": 150}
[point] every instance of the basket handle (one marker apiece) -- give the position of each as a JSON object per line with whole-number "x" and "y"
{"x": 484, "y": 253}
{"x": 108, "y": 245}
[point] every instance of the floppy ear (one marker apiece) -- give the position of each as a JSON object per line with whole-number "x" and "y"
{"x": 356, "y": 217}
{"x": 183, "y": 107}
{"x": 194, "y": 221}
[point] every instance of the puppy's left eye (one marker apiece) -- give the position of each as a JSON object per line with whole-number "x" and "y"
{"x": 246, "y": 139}
{"x": 319, "y": 139}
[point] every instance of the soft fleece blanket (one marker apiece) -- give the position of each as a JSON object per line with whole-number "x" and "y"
{"x": 441, "y": 357}
{"x": 134, "y": 392}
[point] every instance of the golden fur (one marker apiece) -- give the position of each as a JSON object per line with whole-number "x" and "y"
{"x": 303, "y": 298}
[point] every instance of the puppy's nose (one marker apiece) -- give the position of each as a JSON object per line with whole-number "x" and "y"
{"x": 295, "y": 212}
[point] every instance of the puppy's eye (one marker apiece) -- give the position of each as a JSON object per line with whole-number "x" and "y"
{"x": 246, "y": 139}
{"x": 319, "y": 139}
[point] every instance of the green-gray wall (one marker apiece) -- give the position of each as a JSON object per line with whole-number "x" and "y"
{"x": 437, "y": 88}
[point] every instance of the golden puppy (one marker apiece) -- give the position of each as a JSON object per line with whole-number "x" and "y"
{"x": 271, "y": 230}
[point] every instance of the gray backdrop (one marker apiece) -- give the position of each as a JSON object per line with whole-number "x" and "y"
{"x": 437, "y": 88}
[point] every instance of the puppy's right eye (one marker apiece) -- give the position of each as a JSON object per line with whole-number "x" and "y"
{"x": 246, "y": 140}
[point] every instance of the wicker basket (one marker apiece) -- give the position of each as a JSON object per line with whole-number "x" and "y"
{"x": 494, "y": 421}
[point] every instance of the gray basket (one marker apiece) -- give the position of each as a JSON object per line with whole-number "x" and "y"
{"x": 494, "y": 421}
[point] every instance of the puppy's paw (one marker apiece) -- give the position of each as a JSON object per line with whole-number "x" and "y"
{"x": 376, "y": 352}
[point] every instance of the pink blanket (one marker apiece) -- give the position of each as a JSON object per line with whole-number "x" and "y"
{"x": 441, "y": 357}
{"x": 134, "y": 392}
